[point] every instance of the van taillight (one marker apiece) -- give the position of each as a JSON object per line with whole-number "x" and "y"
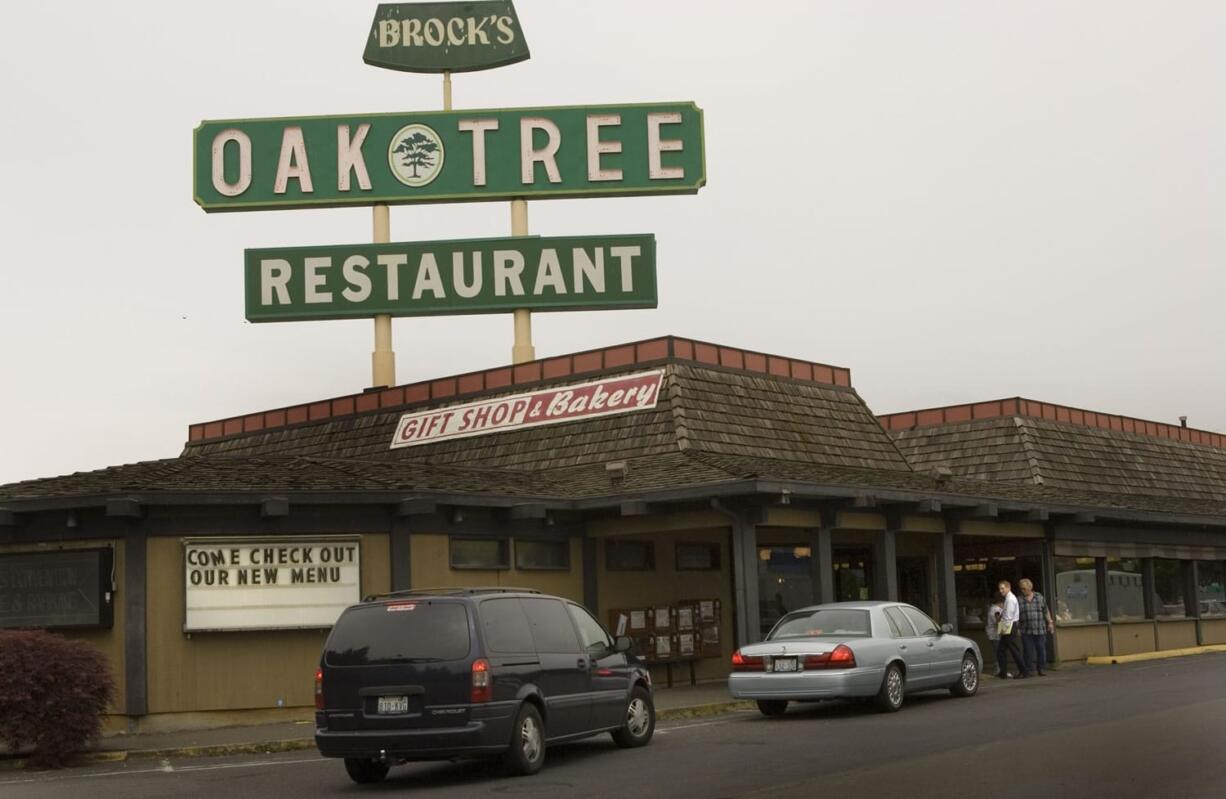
{"x": 747, "y": 662}
{"x": 483, "y": 683}
{"x": 319, "y": 689}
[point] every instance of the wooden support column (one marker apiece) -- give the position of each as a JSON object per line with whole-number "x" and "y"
{"x": 1191, "y": 595}
{"x": 885, "y": 558}
{"x": 947, "y": 595}
{"x": 821, "y": 559}
{"x": 591, "y": 585}
{"x": 745, "y": 574}
{"x": 135, "y": 640}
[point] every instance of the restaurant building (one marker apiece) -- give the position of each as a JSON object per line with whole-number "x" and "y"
{"x": 689, "y": 493}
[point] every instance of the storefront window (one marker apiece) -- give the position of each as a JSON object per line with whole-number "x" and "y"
{"x": 479, "y": 553}
{"x": 697, "y": 557}
{"x": 977, "y": 574}
{"x": 1125, "y": 590}
{"x": 1076, "y": 597}
{"x": 785, "y": 582}
{"x": 630, "y": 555}
{"x": 542, "y": 555}
{"x": 853, "y": 573}
{"x": 1211, "y": 587}
{"x": 1168, "y": 589}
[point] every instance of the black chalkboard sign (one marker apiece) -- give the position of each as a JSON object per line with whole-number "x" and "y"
{"x": 68, "y": 588}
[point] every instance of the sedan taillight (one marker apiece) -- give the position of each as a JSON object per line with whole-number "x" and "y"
{"x": 841, "y": 657}
{"x": 747, "y": 662}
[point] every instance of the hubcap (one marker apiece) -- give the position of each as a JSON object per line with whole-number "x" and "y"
{"x": 530, "y": 739}
{"x": 894, "y": 687}
{"x": 636, "y": 717}
{"x": 970, "y": 675}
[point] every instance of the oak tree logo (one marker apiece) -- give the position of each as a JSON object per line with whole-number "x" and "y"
{"x": 415, "y": 155}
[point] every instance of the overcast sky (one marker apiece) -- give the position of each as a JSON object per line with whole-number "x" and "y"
{"x": 958, "y": 200}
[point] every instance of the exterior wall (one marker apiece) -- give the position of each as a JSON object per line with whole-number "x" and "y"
{"x": 1080, "y": 641}
{"x": 666, "y": 585}
{"x": 1008, "y": 529}
{"x": 198, "y": 672}
{"x": 1132, "y": 638}
{"x": 861, "y": 521}
{"x": 431, "y": 568}
{"x": 109, "y": 642}
{"x": 1176, "y": 634}
{"x": 1213, "y": 631}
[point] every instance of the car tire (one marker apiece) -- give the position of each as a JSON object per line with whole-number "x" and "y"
{"x": 640, "y": 722}
{"x": 527, "y": 752}
{"x": 893, "y": 686}
{"x": 365, "y": 771}
{"x": 968, "y": 677}
{"x": 772, "y": 707}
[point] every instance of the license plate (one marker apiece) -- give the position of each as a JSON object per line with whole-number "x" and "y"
{"x": 393, "y": 704}
{"x": 785, "y": 664}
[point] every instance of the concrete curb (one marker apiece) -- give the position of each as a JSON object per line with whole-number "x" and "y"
{"x": 298, "y": 744}
{"x": 1107, "y": 660}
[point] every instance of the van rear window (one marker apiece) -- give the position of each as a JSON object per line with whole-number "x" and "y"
{"x": 399, "y": 632}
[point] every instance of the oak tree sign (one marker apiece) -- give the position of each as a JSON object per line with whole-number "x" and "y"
{"x": 445, "y": 37}
{"x": 502, "y": 154}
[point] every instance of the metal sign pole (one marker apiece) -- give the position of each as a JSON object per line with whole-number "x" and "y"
{"x": 522, "y": 350}
{"x": 383, "y": 359}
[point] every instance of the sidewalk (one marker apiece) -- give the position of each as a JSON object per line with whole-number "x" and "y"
{"x": 671, "y": 703}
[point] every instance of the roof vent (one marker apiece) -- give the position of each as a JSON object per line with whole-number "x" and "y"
{"x": 616, "y": 470}
{"x": 1183, "y": 421}
{"x": 942, "y": 474}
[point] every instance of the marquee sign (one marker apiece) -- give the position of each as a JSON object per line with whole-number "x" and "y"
{"x": 445, "y": 37}
{"x": 67, "y": 588}
{"x": 451, "y": 277}
{"x": 528, "y": 153}
{"x": 606, "y": 397}
{"x": 269, "y": 584}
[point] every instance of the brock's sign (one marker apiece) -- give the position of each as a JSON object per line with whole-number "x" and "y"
{"x": 613, "y": 395}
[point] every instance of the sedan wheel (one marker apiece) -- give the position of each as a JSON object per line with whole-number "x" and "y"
{"x": 968, "y": 679}
{"x": 889, "y": 698}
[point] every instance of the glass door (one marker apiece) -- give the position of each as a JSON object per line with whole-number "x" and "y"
{"x": 785, "y": 581}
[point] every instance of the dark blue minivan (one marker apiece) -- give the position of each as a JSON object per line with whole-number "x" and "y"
{"x": 449, "y": 673}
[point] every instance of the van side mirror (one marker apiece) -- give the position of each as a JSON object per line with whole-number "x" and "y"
{"x": 623, "y": 643}
{"x": 947, "y": 628}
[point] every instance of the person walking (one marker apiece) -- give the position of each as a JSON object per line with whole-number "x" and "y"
{"x": 1010, "y": 633}
{"x": 1036, "y": 623}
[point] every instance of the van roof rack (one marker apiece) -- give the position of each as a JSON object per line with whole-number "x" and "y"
{"x": 493, "y": 589}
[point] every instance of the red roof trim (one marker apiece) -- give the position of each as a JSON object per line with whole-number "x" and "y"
{"x": 507, "y": 377}
{"x": 1019, "y": 406}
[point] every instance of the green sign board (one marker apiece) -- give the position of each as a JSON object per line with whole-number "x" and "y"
{"x": 445, "y": 37}
{"x": 451, "y": 277}
{"x": 531, "y": 153}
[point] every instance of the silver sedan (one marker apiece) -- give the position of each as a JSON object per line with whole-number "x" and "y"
{"x": 854, "y": 650}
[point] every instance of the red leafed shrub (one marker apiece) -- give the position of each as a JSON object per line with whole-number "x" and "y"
{"x": 53, "y": 693}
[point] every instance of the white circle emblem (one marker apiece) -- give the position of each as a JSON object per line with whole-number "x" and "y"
{"x": 415, "y": 154}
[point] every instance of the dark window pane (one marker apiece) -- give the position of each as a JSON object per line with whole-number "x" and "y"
{"x": 399, "y": 632}
{"x": 923, "y": 625}
{"x": 542, "y": 554}
{"x": 697, "y": 557}
{"x": 1076, "y": 597}
{"x": 551, "y": 626}
{"x": 815, "y": 623}
{"x": 506, "y": 627}
{"x": 1168, "y": 589}
{"x": 1125, "y": 590}
{"x": 593, "y": 637}
{"x": 900, "y": 621}
{"x": 1211, "y": 587}
{"x": 476, "y": 553}
{"x": 630, "y": 555}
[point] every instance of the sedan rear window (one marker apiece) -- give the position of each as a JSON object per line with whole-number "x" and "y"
{"x": 399, "y": 632}
{"x": 822, "y": 622}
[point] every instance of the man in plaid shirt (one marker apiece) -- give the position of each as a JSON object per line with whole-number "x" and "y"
{"x": 1036, "y": 623}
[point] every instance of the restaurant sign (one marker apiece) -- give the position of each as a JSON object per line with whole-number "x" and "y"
{"x": 577, "y": 273}
{"x": 613, "y": 395}
{"x": 66, "y": 588}
{"x": 445, "y": 37}
{"x": 528, "y": 153}
{"x": 269, "y": 584}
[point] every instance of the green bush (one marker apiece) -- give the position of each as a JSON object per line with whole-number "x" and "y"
{"x": 53, "y": 693}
